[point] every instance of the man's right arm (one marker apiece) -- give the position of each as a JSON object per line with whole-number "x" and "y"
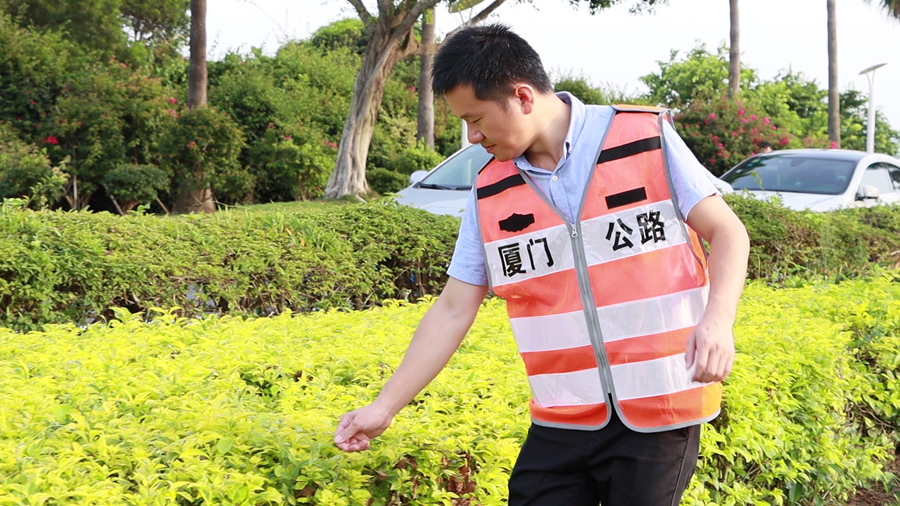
{"x": 437, "y": 337}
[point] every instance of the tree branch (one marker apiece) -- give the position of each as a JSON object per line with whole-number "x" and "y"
{"x": 361, "y": 11}
{"x": 481, "y": 16}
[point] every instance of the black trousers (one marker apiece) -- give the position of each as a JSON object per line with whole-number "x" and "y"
{"x": 613, "y": 466}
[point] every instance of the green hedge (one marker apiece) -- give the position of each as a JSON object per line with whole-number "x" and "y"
{"x": 74, "y": 267}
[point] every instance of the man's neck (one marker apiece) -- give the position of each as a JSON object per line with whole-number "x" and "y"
{"x": 548, "y": 146}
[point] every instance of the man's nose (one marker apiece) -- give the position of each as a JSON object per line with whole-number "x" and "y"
{"x": 474, "y": 135}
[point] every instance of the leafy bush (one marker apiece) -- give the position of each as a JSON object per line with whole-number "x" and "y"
{"x": 232, "y": 411}
{"x": 293, "y": 164}
{"x": 202, "y": 147}
{"x": 386, "y": 181}
{"x": 722, "y": 132}
{"x": 418, "y": 157}
{"x": 26, "y": 171}
{"x": 57, "y": 267}
{"x": 133, "y": 184}
{"x": 785, "y": 243}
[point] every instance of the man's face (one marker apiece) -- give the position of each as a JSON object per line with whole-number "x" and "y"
{"x": 501, "y": 131}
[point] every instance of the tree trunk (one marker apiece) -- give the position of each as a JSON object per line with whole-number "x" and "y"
{"x": 734, "y": 62}
{"x": 194, "y": 196}
{"x": 425, "y": 130}
{"x": 834, "y": 99}
{"x": 197, "y": 75}
{"x": 382, "y": 54}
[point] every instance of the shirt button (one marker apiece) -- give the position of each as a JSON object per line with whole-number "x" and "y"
{"x": 554, "y": 178}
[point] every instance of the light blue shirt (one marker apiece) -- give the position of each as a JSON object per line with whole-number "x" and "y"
{"x": 565, "y": 185}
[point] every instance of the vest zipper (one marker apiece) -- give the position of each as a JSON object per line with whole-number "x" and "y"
{"x": 590, "y": 310}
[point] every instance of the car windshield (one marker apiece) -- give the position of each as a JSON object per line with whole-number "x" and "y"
{"x": 459, "y": 172}
{"x": 796, "y": 174}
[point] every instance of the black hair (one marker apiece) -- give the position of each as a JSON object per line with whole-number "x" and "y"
{"x": 766, "y": 144}
{"x": 489, "y": 58}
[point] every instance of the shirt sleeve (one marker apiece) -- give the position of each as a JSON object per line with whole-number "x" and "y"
{"x": 691, "y": 181}
{"x": 467, "y": 264}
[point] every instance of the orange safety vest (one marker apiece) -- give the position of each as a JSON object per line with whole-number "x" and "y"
{"x": 603, "y": 307}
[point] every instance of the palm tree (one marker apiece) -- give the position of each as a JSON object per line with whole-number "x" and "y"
{"x": 834, "y": 100}
{"x": 892, "y": 7}
{"x": 734, "y": 60}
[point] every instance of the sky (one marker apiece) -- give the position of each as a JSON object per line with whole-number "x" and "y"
{"x": 614, "y": 48}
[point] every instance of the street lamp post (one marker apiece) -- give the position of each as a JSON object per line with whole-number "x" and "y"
{"x": 870, "y": 128}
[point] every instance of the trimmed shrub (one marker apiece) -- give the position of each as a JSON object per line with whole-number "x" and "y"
{"x": 60, "y": 267}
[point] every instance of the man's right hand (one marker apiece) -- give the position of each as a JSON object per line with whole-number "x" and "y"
{"x": 357, "y": 428}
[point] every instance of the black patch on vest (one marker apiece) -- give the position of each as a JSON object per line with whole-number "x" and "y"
{"x": 625, "y": 198}
{"x": 500, "y": 186}
{"x": 517, "y": 222}
{"x": 630, "y": 149}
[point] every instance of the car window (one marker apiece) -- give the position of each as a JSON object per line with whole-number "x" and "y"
{"x": 797, "y": 174}
{"x": 458, "y": 172}
{"x": 877, "y": 175}
{"x": 895, "y": 175}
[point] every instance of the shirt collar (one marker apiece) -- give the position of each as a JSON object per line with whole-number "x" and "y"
{"x": 576, "y": 123}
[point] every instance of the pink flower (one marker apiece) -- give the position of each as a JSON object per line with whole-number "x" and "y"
{"x": 33, "y": 102}
{"x": 743, "y": 120}
{"x": 712, "y": 115}
{"x": 740, "y": 112}
{"x": 784, "y": 141}
{"x": 51, "y": 140}
{"x": 411, "y": 88}
{"x": 734, "y": 134}
{"x": 720, "y": 145}
{"x": 753, "y": 117}
{"x": 79, "y": 123}
{"x": 714, "y": 138}
{"x": 774, "y": 127}
{"x": 765, "y": 121}
{"x": 173, "y": 100}
{"x": 833, "y": 145}
{"x": 712, "y": 160}
{"x": 192, "y": 145}
{"x": 287, "y": 137}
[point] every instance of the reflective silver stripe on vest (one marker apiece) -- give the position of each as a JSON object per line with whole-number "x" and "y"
{"x": 631, "y": 232}
{"x": 553, "y": 332}
{"x": 653, "y": 377}
{"x": 620, "y": 321}
{"x": 526, "y": 256}
{"x": 567, "y": 389}
{"x": 654, "y": 315}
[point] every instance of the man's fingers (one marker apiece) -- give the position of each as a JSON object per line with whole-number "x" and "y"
{"x": 689, "y": 352}
{"x": 346, "y": 429}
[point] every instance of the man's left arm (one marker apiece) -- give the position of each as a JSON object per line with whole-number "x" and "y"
{"x": 711, "y": 346}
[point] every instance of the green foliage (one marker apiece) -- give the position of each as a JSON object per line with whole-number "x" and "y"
{"x": 57, "y": 267}
{"x": 202, "y": 147}
{"x": 347, "y": 33}
{"x": 26, "y": 171}
{"x": 97, "y": 26}
{"x": 231, "y": 411}
{"x": 140, "y": 183}
{"x": 581, "y": 88}
{"x": 386, "y": 181}
{"x": 418, "y": 157}
{"x": 293, "y": 167}
{"x": 700, "y": 75}
{"x": 842, "y": 243}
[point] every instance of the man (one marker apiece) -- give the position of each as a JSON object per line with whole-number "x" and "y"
{"x": 579, "y": 223}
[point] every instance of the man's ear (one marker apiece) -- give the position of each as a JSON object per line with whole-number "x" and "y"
{"x": 523, "y": 95}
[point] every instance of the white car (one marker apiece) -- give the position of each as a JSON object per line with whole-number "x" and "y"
{"x": 445, "y": 188}
{"x": 819, "y": 179}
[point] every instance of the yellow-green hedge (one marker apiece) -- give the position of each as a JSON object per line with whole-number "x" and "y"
{"x": 231, "y": 411}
